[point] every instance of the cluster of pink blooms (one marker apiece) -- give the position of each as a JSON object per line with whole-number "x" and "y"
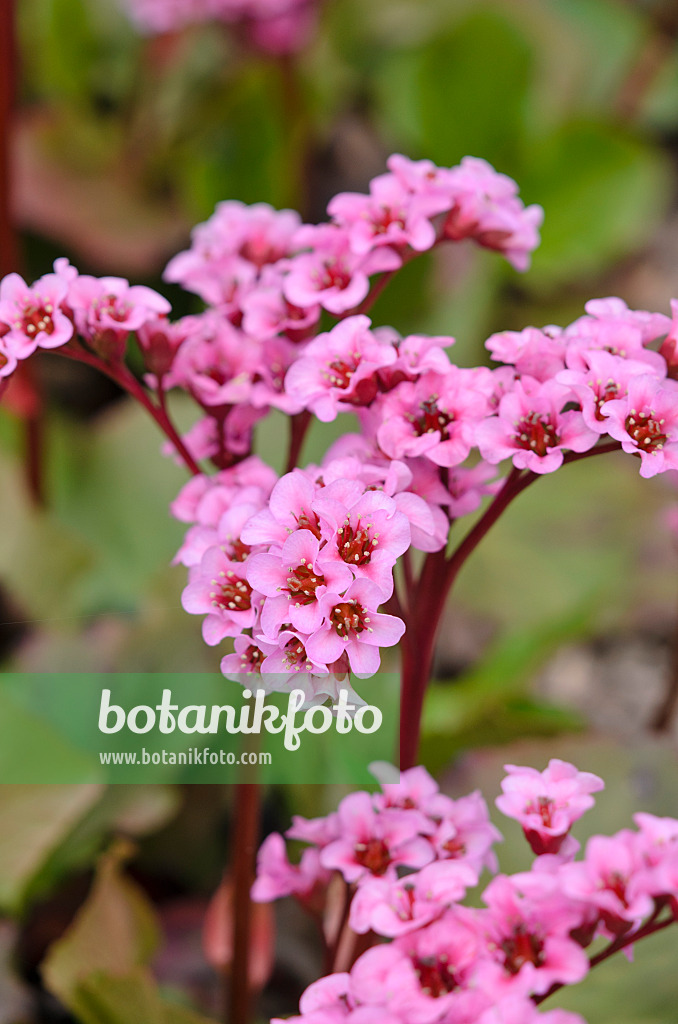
{"x": 275, "y": 26}
{"x": 409, "y": 854}
{"x": 58, "y": 307}
{"x": 296, "y": 570}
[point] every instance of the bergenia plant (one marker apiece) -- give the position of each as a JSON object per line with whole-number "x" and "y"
{"x": 301, "y": 580}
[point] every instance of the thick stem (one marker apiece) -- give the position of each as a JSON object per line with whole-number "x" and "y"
{"x": 246, "y": 836}
{"x": 299, "y": 425}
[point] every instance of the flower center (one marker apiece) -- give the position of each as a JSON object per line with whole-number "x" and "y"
{"x": 605, "y": 394}
{"x": 340, "y": 373}
{"x": 109, "y": 305}
{"x": 646, "y": 430}
{"x": 305, "y": 522}
{"x": 535, "y": 434}
{"x": 295, "y": 655}
{"x": 383, "y": 220}
{"x": 334, "y": 275}
{"x": 522, "y": 948}
{"x": 355, "y": 545}
{"x": 37, "y": 319}
{"x": 454, "y": 847}
{"x": 303, "y": 582}
{"x": 431, "y": 418}
{"x": 348, "y": 618}
{"x": 252, "y": 658}
{"x": 435, "y": 977}
{"x": 373, "y": 855}
{"x": 234, "y": 595}
{"x": 237, "y": 551}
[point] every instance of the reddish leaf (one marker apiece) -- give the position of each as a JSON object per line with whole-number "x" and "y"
{"x": 218, "y": 935}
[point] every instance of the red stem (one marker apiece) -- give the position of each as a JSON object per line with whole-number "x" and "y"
{"x": 299, "y": 425}
{"x": 429, "y": 597}
{"x": 245, "y": 840}
{"x": 622, "y": 942}
{"x": 128, "y": 382}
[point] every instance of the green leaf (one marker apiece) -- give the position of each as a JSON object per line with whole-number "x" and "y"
{"x": 473, "y": 85}
{"x": 602, "y": 192}
{"x": 35, "y": 820}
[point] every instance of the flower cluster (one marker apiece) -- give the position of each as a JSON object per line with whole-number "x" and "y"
{"x": 61, "y": 306}
{"x": 275, "y": 26}
{"x": 409, "y": 854}
{"x": 295, "y": 570}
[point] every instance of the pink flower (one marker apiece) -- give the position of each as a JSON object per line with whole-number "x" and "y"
{"x": 368, "y": 535}
{"x": 331, "y": 274}
{"x": 294, "y": 581}
{"x": 395, "y": 908}
{"x": 276, "y": 877}
{"x": 547, "y": 803}
{"x": 220, "y": 591}
{"x": 33, "y": 315}
{"x": 338, "y": 370}
{"x": 290, "y": 508}
{"x": 528, "y": 941}
{"x": 531, "y": 428}
{"x": 436, "y": 416}
{"x": 604, "y": 880}
{"x": 216, "y": 363}
{"x": 266, "y": 311}
{"x": 374, "y": 842}
{"x": 352, "y": 624}
{"x": 605, "y": 379}
{"x": 539, "y": 354}
{"x": 463, "y": 830}
{"x": 645, "y": 421}
{"x": 391, "y": 215}
{"x": 106, "y": 309}
{"x": 485, "y": 206}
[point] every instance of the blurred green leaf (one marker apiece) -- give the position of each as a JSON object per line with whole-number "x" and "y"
{"x": 602, "y": 191}
{"x": 473, "y": 84}
{"x": 35, "y": 820}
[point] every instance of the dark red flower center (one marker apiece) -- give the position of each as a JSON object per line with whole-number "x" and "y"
{"x": 340, "y": 373}
{"x": 308, "y": 522}
{"x": 431, "y": 418}
{"x": 37, "y": 319}
{"x": 354, "y": 544}
{"x": 535, "y": 433}
{"x": 435, "y": 977}
{"x": 303, "y": 582}
{"x": 646, "y": 430}
{"x": 606, "y": 394}
{"x": 349, "y": 617}
{"x": 234, "y": 595}
{"x": 373, "y": 855}
{"x": 522, "y": 948}
{"x": 334, "y": 275}
{"x": 387, "y": 216}
{"x": 295, "y": 655}
{"x": 252, "y": 658}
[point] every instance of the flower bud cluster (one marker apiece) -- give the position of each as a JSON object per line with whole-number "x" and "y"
{"x": 409, "y": 855}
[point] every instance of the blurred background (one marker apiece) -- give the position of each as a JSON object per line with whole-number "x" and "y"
{"x": 562, "y": 636}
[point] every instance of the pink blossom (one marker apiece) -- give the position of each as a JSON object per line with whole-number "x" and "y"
{"x": 266, "y": 311}
{"x": 338, "y": 370}
{"x": 368, "y": 535}
{"x": 218, "y": 589}
{"x": 390, "y": 215}
{"x": 530, "y": 948}
{"x": 352, "y": 624}
{"x": 33, "y": 315}
{"x": 436, "y": 416}
{"x": 393, "y": 908}
{"x": 216, "y": 363}
{"x": 531, "y": 428}
{"x": 276, "y": 877}
{"x": 294, "y": 581}
{"x": 331, "y": 274}
{"x": 290, "y": 508}
{"x": 645, "y": 421}
{"x": 547, "y": 803}
{"x": 463, "y": 830}
{"x": 604, "y": 379}
{"x": 539, "y": 354}
{"x": 372, "y": 842}
{"x": 485, "y": 206}
{"x": 106, "y": 309}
